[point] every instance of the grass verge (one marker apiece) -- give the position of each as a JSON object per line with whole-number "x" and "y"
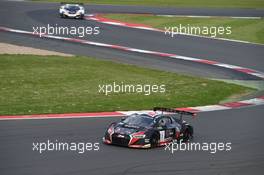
{"x": 251, "y": 30}
{"x": 52, "y": 84}
{"x": 178, "y": 3}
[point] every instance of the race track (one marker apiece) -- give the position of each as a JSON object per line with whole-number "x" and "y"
{"x": 243, "y": 127}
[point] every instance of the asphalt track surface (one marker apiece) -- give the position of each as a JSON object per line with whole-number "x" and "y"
{"x": 243, "y": 127}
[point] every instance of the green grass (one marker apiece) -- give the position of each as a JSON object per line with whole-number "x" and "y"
{"x": 242, "y": 29}
{"x": 178, "y": 3}
{"x": 52, "y": 84}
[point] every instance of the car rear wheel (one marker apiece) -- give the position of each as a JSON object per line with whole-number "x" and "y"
{"x": 187, "y": 135}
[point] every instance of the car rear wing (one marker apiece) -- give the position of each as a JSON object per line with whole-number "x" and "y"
{"x": 169, "y": 110}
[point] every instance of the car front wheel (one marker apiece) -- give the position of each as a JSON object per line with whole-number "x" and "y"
{"x": 154, "y": 141}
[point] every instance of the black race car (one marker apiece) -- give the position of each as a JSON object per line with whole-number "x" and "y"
{"x": 146, "y": 131}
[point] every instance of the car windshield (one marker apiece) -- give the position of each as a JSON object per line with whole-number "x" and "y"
{"x": 72, "y": 7}
{"x": 142, "y": 120}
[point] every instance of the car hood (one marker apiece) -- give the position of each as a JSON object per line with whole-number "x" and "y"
{"x": 127, "y": 129}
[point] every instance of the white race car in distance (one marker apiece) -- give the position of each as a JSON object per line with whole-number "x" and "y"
{"x": 72, "y": 11}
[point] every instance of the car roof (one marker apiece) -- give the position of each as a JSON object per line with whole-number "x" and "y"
{"x": 143, "y": 114}
{"x": 162, "y": 115}
{"x": 154, "y": 116}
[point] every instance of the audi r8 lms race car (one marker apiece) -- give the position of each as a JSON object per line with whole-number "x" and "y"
{"x": 72, "y": 11}
{"x": 147, "y": 131}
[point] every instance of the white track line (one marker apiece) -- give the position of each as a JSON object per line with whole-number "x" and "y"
{"x": 197, "y": 16}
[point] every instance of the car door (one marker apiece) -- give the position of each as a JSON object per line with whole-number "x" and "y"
{"x": 165, "y": 129}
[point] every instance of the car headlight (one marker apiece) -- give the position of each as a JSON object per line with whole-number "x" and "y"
{"x": 110, "y": 130}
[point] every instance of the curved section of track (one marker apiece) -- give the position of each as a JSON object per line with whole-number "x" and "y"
{"x": 31, "y": 14}
{"x": 249, "y": 72}
{"x": 242, "y": 127}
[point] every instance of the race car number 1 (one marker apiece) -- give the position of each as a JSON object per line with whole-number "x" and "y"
{"x": 162, "y": 136}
